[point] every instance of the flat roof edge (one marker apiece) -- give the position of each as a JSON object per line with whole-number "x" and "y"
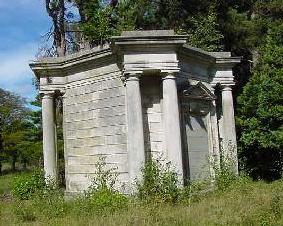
{"x": 72, "y": 58}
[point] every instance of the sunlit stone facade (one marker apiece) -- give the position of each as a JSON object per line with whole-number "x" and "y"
{"x": 146, "y": 95}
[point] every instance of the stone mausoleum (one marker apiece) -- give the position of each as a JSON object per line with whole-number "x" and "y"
{"x": 148, "y": 94}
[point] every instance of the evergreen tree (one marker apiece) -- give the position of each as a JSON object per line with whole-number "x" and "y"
{"x": 260, "y": 110}
{"x": 248, "y": 28}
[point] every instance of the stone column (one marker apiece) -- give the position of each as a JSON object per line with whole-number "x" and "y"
{"x": 229, "y": 135}
{"x": 172, "y": 124}
{"x": 49, "y": 138}
{"x": 136, "y": 152}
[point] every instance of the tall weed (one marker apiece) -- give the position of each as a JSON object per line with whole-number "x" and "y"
{"x": 159, "y": 183}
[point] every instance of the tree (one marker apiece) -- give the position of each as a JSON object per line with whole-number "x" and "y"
{"x": 104, "y": 19}
{"x": 248, "y": 28}
{"x": 56, "y": 10}
{"x": 12, "y": 111}
{"x": 260, "y": 110}
{"x": 203, "y": 31}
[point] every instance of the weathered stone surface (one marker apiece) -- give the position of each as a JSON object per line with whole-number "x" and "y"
{"x": 152, "y": 117}
{"x": 127, "y": 103}
{"x": 148, "y": 33}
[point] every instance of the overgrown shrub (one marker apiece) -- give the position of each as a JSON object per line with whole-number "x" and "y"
{"x": 104, "y": 178}
{"x": 26, "y": 185}
{"x": 25, "y": 211}
{"x": 159, "y": 183}
{"x": 43, "y": 204}
{"x": 102, "y": 196}
{"x": 104, "y": 201}
{"x": 225, "y": 176}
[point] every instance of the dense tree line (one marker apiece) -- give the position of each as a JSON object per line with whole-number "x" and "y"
{"x": 20, "y": 131}
{"x": 249, "y": 28}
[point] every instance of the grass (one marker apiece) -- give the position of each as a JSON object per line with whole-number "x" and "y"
{"x": 244, "y": 203}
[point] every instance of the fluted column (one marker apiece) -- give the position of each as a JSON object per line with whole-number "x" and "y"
{"x": 49, "y": 138}
{"x": 229, "y": 135}
{"x": 172, "y": 124}
{"x": 136, "y": 152}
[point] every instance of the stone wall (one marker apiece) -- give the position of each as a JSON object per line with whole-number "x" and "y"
{"x": 95, "y": 125}
{"x": 101, "y": 120}
{"x": 197, "y": 146}
{"x": 152, "y": 117}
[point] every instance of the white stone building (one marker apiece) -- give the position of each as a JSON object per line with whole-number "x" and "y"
{"x": 148, "y": 94}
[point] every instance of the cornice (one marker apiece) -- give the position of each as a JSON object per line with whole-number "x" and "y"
{"x": 63, "y": 63}
{"x": 147, "y": 40}
{"x": 213, "y": 58}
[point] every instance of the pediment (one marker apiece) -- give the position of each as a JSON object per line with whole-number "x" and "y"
{"x": 198, "y": 92}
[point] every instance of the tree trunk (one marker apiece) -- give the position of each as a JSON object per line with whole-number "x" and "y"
{"x": 57, "y": 13}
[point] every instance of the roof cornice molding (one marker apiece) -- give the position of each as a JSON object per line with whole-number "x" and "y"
{"x": 147, "y": 40}
{"x": 63, "y": 63}
{"x": 140, "y": 41}
{"x": 219, "y": 59}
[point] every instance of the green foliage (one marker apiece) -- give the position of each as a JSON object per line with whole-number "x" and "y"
{"x": 225, "y": 176}
{"x": 104, "y": 177}
{"x": 12, "y": 112}
{"x": 104, "y": 200}
{"x": 105, "y": 19}
{"x": 102, "y": 196}
{"x": 12, "y": 108}
{"x": 260, "y": 111}
{"x": 123, "y": 17}
{"x": 46, "y": 203}
{"x": 203, "y": 31}
{"x": 159, "y": 183}
{"x": 25, "y": 212}
{"x": 34, "y": 199}
{"x": 98, "y": 24}
{"x": 27, "y": 185}
{"x": 245, "y": 203}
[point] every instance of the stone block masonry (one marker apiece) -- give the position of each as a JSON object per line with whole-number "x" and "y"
{"x": 147, "y": 95}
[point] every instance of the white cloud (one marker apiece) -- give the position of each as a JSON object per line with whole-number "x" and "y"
{"x": 15, "y": 74}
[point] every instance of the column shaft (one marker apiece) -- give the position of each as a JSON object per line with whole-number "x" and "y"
{"x": 136, "y": 152}
{"x": 49, "y": 138}
{"x": 229, "y": 135}
{"x": 172, "y": 125}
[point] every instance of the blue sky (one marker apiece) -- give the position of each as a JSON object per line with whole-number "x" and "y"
{"x": 22, "y": 23}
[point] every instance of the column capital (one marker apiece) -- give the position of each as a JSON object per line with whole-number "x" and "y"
{"x": 168, "y": 75}
{"x": 63, "y": 93}
{"x": 47, "y": 94}
{"x": 128, "y": 77}
{"x": 226, "y": 88}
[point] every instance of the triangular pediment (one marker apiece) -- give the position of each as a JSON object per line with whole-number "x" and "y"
{"x": 198, "y": 92}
